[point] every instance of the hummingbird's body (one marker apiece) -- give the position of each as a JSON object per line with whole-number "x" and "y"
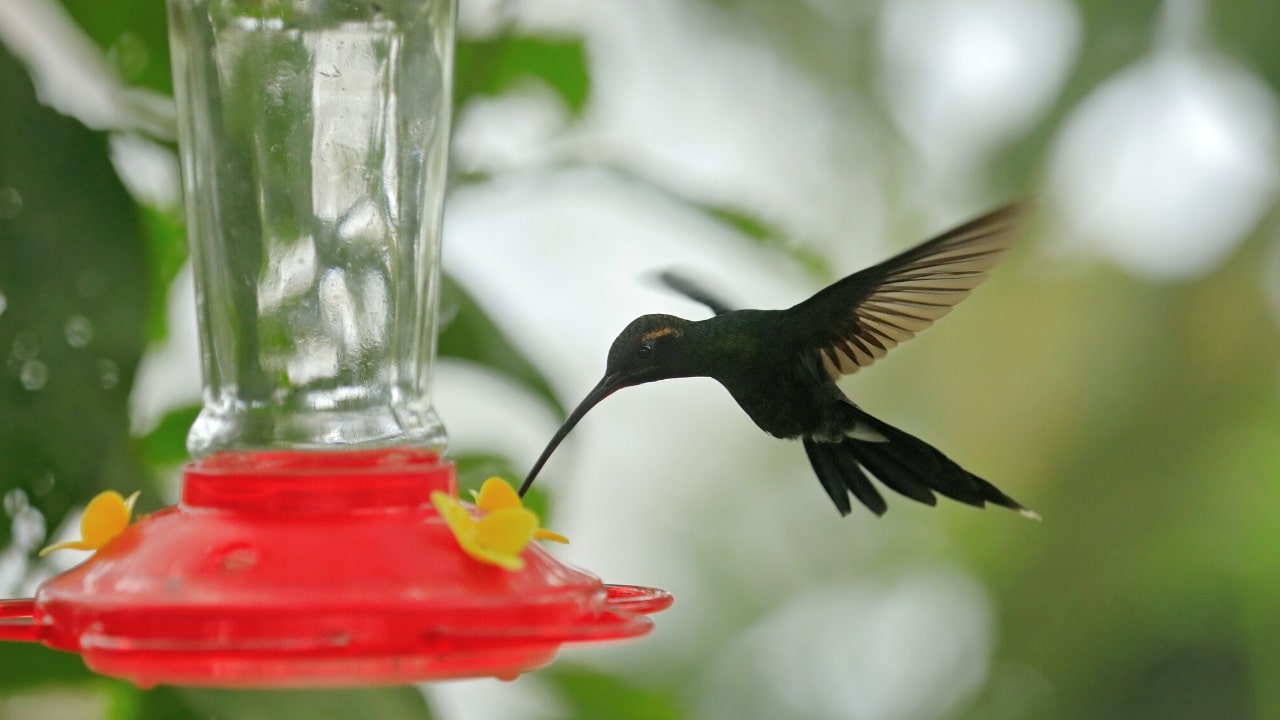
{"x": 781, "y": 366}
{"x": 784, "y": 393}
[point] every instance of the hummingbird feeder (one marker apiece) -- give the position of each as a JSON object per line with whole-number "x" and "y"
{"x": 311, "y": 545}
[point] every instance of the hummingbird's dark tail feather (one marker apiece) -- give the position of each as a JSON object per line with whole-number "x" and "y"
{"x": 905, "y": 464}
{"x": 838, "y": 471}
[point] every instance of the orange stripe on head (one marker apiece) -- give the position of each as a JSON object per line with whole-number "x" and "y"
{"x": 660, "y": 332}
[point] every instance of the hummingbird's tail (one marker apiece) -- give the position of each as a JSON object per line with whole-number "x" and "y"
{"x": 903, "y": 463}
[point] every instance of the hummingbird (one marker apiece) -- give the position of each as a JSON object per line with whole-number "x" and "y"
{"x": 781, "y": 366}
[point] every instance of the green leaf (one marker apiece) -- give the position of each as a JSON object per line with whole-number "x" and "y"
{"x": 752, "y": 227}
{"x": 389, "y": 703}
{"x": 769, "y": 236}
{"x": 166, "y": 237}
{"x": 493, "y": 66}
{"x": 469, "y": 334}
{"x": 166, "y": 445}
{"x": 591, "y": 695}
{"x": 1247, "y": 29}
{"x": 133, "y": 33}
{"x": 73, "y": 273}
{"x": 28, "y": 666}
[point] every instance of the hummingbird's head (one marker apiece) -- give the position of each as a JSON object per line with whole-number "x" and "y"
{"x": 651, "y": 348}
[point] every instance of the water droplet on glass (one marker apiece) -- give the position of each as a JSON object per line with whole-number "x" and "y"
{"x": 4, "y": 303}
{"x": 78, "y": 330}
{"x": 34, "y": 375}
{"x": 29, "y": 528}
{"x": 15, "y": 501}
{"x": 108, "y": 374}
{"x": 25, "y": 347}
{"x": 129, "y": 55}
{"x": 44, "y": 485}
{"x": 10, "y": 202}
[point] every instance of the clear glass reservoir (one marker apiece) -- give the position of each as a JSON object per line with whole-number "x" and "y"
{"x": 314, "y": 138}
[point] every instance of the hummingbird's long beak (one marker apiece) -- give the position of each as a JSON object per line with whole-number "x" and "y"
{"x": 603, "y": 389}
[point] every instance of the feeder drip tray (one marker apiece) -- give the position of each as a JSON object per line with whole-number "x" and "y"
{"x": 313, "y": 569}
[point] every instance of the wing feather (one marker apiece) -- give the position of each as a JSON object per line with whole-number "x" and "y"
{"x": 691, "y": 289}
{"x": 859, "y": 319}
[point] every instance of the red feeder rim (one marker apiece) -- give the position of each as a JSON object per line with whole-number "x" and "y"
{"x": 315, "y": 569}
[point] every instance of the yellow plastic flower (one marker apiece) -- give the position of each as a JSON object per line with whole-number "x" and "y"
{"x": 105, "y": 517}
{"x": 496, "y": 494}
{"x": 503, "y": 530}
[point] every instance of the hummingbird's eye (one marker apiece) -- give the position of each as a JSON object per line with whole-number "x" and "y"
{"x": 645, "y": 350}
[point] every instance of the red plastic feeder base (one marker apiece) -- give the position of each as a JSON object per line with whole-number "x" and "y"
{"x": 314, "y": 569}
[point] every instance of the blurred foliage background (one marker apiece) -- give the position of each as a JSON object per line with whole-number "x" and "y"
{"x": 1118, "y": 374}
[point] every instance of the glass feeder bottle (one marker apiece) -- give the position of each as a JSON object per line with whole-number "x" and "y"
{"x": 314, "y": 136}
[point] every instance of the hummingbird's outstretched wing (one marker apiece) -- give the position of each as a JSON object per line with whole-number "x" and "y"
{"x": 692, "y": 290}
{"x": 857, "y": 320}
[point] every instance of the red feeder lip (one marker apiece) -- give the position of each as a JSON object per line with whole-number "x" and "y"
{"x": 316, "y": 568}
